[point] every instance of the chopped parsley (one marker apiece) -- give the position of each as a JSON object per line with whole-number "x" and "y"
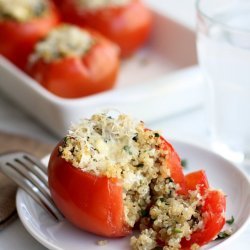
{"x": 177, "y": 231}
{"x": 223, "y": 235}
{"x": 127, "y": 149}
{"x": 64, "y": 141}
{"x": 135, "y": 138}
{"x": 158, "y": 248}
{"x": 157, "y": 135}
{"x": 184, "y": 163}
{"x": 230, "y": 221}
{"x": 169, "y": 179}
{"x": 144, "y": 213}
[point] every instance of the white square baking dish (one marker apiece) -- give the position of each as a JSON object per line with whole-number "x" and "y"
{"x": 151, "y": 84}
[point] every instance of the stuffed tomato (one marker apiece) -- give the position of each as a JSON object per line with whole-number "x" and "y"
{"x": 22, "y": 24}
{"x": 125, "y": 22}
{"x": 72, "y": 62}
{"x": 111, "y": 175}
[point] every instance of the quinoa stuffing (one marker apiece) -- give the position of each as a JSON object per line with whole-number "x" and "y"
{"x": 123, "y": 148}
{"x": 23, "y": 10}
{"x": 63, "y": 41}
{"x": 99, "y": 4}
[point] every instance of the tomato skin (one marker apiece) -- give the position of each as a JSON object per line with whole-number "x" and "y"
{"x": 198, "y": 180}
{"x": 17, "y": 39}
{"x": 90, "y": 202}
{"x": 117, "y": 23}
{"x": 213, "y": 213}
{"x": 74, "y": 77}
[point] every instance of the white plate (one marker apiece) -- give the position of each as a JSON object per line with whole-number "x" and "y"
{"x": 221, "y": 174}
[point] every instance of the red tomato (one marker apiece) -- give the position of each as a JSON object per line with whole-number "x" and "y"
{"x": 90, "y": 202}
{"x": 73, "y": 77}
{"x": 213, "y": 213}
{"x": 128, "y": 26}
{"x": 94, "y": 203}
{"x": 17, "y": 39}
{"x": 196, "y": 180}
{"x": 173, "y": 162}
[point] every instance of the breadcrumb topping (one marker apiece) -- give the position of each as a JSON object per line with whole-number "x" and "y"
{"x": 123, "y": 148}
{"x": 22, "y": 10}
{"x": 63, "y": 41}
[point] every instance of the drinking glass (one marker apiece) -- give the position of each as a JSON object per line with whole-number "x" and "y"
{"x": 223, "y": 45}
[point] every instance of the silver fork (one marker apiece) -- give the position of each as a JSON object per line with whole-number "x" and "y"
{"x": 31, "y": 175}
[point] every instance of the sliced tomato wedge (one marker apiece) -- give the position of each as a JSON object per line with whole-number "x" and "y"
{"x": 213, "y": 214}
{"x": 197, "y": 180}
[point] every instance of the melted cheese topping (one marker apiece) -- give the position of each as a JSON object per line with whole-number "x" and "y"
{"x": 100, "y": 4}
{"x": 22, "y": 10}
{"x": 64, "y": 41}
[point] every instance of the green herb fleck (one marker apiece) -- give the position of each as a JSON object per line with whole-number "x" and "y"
{"x": 40, "y": 9}
{"x": 184, "y": 163}
{"x": 223, "y": 235}
{"x": 162, "y": 199}
{"x": 60, "y": 151}
{"x": 169, "y": 179}
{"x": 231, "y": 221}
{"x": 135, "y": 138}
{"x": 64, "y": 141}
{"x": 127, "y": 149}
{"x": 144, "y": 213}
{"x": 157, "y": 135}
{"x": 158, "y": 248}
{"x": 177, "y": 231}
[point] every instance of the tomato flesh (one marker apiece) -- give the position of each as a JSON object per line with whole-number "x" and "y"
{"x": 197, "y": 180}
{"x": 212, "y": 211}
{"x": 213, "y": 214}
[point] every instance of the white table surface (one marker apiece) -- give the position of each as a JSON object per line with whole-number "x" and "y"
{"x": 191, "y": 126}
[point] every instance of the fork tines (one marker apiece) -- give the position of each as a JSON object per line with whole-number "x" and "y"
{"x": 31, "y": 175}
